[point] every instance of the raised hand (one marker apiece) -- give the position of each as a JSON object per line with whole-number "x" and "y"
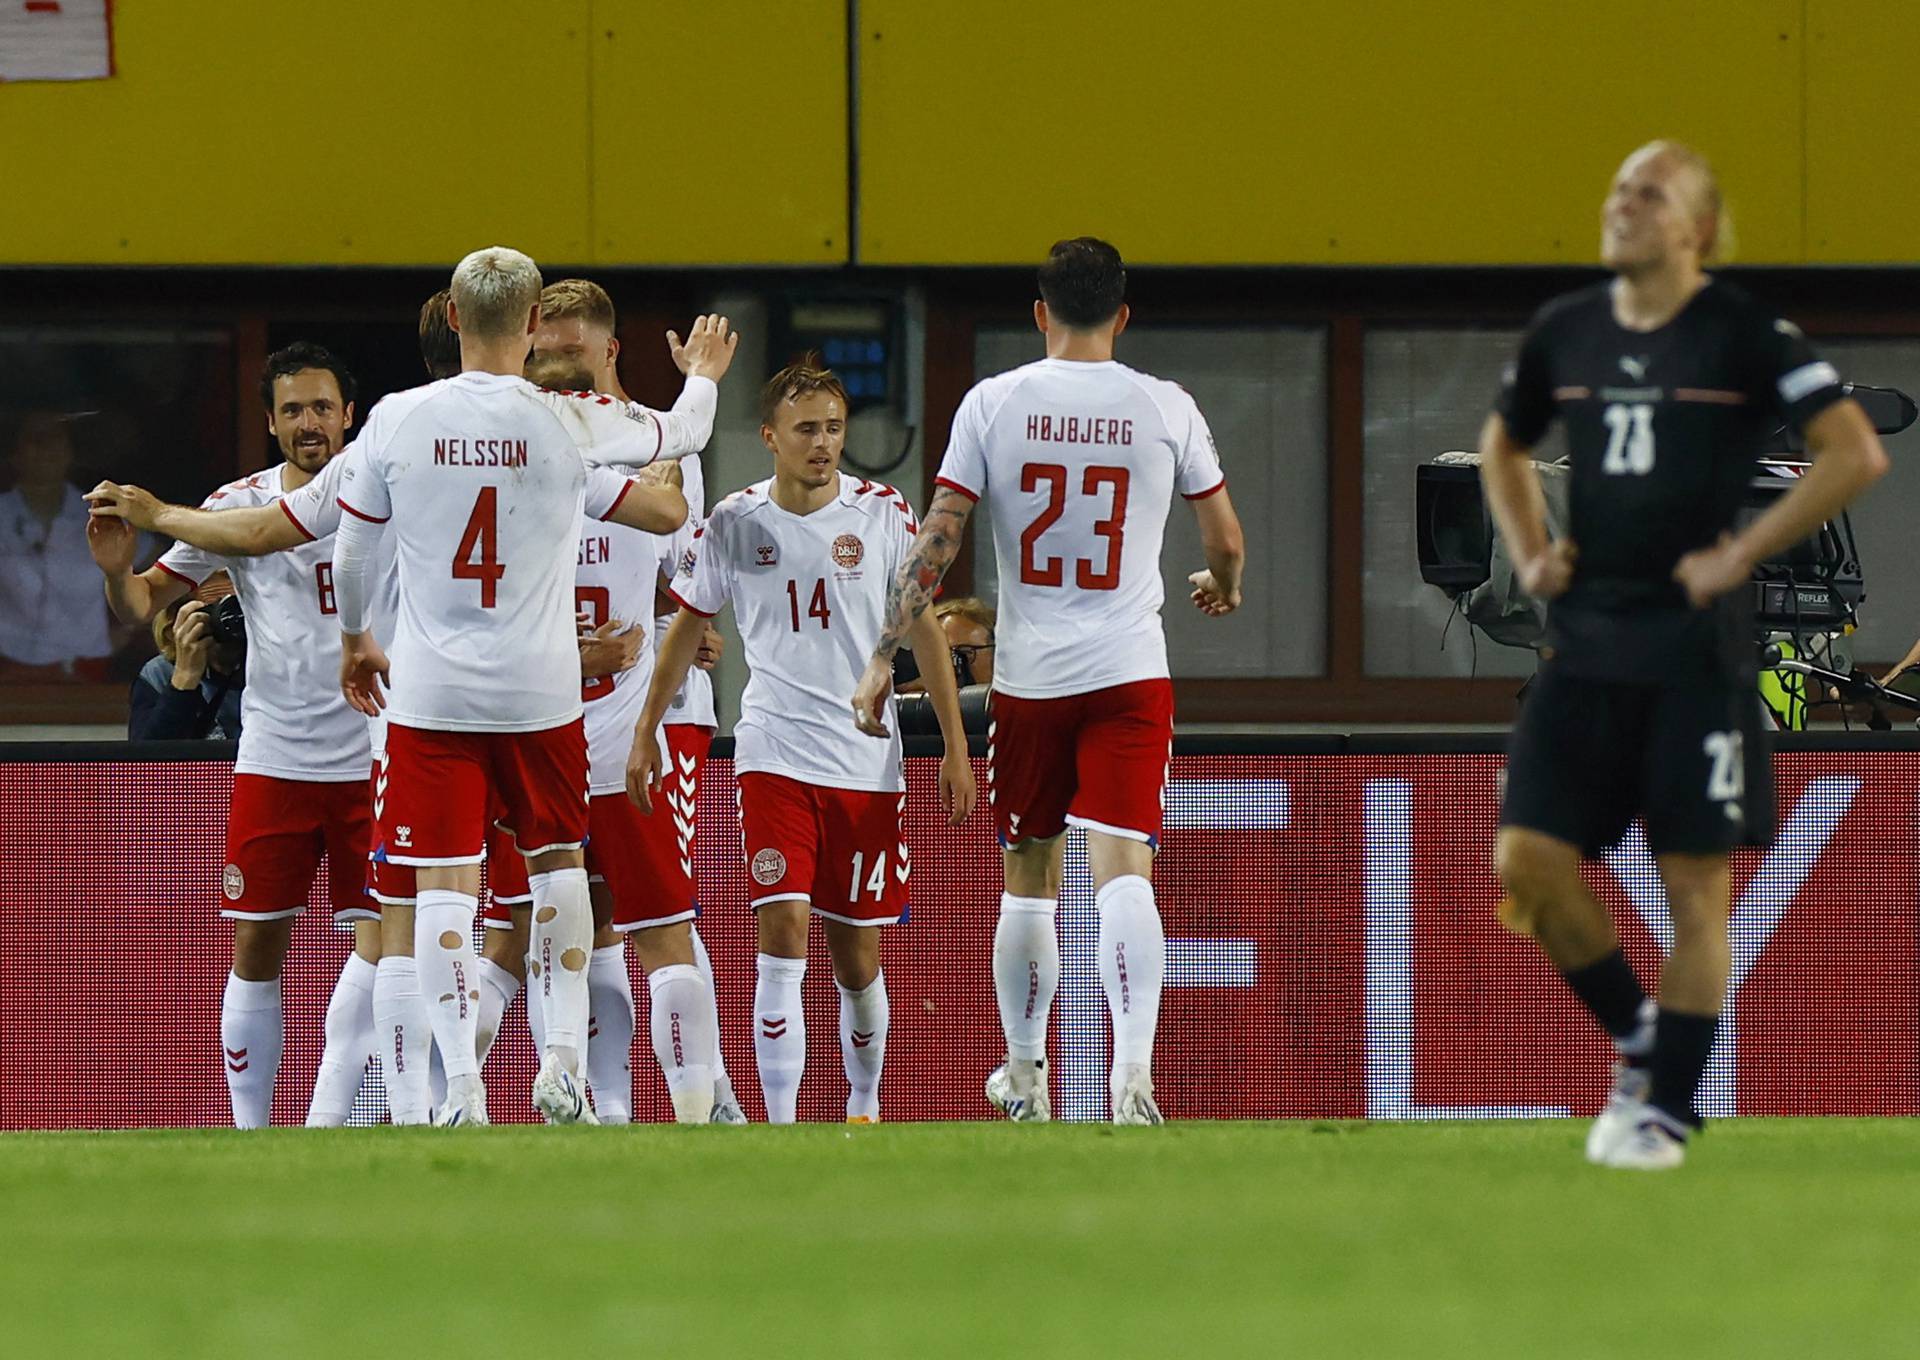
{"x": 112, "y": 542}
{"x": 708, "y": 351}
{"x": 136, "y": 505}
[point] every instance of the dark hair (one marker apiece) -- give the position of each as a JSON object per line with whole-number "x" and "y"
{"x": 439, "y": 343}
{"x": 1083, "y": 282}
{"x": 297, "y": 358}
{"x": 796, "y": 381}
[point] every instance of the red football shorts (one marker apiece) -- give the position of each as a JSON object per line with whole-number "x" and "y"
{"x": 1097, "y": 760}
{"x": 503, "y": 885}
{"x": 641, "y": 860}
{"x": 277, "y": 832}
{"x": 437, "y": 795}
{"x": 842, "y": 850}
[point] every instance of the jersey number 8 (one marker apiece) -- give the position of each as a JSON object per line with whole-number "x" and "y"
{"x": 1629, "y": 440}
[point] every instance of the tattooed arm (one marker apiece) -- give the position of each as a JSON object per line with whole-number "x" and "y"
{"x": 911, "y": 591}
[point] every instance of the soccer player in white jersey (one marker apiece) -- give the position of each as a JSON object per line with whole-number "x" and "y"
{"x": 481, "y": 488}
{"x": 300, "y": 780}
{"x": 640, "y": 868}
{"x": 1079, "y": 457}
{"x": 806, "y": 558}
{"x": 390, "y": 1008}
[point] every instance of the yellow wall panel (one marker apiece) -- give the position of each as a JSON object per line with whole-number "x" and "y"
{"x": 360, "y": 131}
{"x": 720, "y": 132}
{"x": 1863, "y": 103}
{"x": 1385, "y": 132}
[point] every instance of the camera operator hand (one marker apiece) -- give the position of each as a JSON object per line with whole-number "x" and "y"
{"x": 192, "y": 644}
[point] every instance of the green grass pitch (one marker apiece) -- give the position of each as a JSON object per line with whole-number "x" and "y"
{"x": 1780, "y": 1238}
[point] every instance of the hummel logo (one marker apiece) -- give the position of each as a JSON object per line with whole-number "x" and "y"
{"x": 862, "y": 1040}
{"x": 403, "y": 835}
{"x": 1635, "y": 368}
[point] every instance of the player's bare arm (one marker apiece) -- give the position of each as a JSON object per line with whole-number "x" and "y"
{"x": 708, "y": 350}
{"x": 677, "y": 651}
{"x": 1847, "y": 459}
{"x": 133, "y": 598}
{"x": 656, "y": 508}
{"x": 248, "y": 531}
{"x": 1544, "y": 566}
{"x": 910, "y": 592}
{"x": 1216, "y": 591}
{"x": 957, "y": 788}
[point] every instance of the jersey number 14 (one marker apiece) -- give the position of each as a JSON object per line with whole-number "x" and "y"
{"x": 1629, "y": 440}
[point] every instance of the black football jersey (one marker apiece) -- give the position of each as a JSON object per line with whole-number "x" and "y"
{"x": 1663, "y": 429}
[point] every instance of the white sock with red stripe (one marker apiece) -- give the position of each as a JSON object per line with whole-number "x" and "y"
{"x": 1026, "y": 973}
{"x": 864, "y": 1016}
{"x": 400, "y": 1028}
{"x": 498, "y": 987}
{"x": 562, "y": 953}
{"x": 251, "y": 1035}
{"x": 779, "y": 1034}
{"x": 449, "y": 980}
{"x": 349, "y": 1031}
{"x": 1133, "y": 959}
{"x": 722, "y": 1083}
{"x": 680, "y": 1018}
{"x": 610, "y": 1026}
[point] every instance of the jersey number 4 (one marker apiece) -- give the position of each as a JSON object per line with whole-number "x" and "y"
{"x": 478, "y": 556}
{"x": 1629, "y": 440}
{"x": 1051, "y": 571}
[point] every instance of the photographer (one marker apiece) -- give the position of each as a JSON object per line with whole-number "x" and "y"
{"x": 968, "y": 623}
{"x": 191, "y": 691}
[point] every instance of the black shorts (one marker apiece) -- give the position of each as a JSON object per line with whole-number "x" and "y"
{"x": 1588, "y": 756}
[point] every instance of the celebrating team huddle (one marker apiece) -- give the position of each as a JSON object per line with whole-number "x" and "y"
{"x": 463, "y": 601}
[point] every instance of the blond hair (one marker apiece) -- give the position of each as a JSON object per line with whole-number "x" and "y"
{"x": 796, "y": 381}
{"x": 494, "y": 291}
{"x": 969, "y": 607}
{"x": 1710, "y": 206}
{"x": 565, "y": 299}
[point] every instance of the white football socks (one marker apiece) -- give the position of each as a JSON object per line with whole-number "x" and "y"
{"x": 1133, "y": 959}
{"x": 350, "y": 1042}
{"x": 498, "y": 987}
{"x": 779, "y": 1034}
{"x": 449, "y": 982}
{"x": 1026, "y": 973}
{"x": 251, "y": 1035}
{"x": 863, "y": 1045}
{"x": 680, "y": 1018}
{"x": 610, "y": 1025}
{"x": 722, "y": 1084}
{"x": 400, "y": 1027}
{"x": 562, "y": 952}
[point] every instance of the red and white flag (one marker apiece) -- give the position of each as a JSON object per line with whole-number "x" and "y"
{"x": 56, "y": 39}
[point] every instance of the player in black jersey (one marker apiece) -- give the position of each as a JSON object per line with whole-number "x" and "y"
{"x": 1668, "y": 381}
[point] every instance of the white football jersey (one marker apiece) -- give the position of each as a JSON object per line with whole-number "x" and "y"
{"x": 615, "y": 578}
{"x": 693, "y": 705}
{"x": 483, "y": 485}
{"x": 1079, "y": 463}
{"x": 809, "y": 593}
{"x": 294, "y": 721}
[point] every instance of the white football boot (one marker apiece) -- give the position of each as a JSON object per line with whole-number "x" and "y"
{"x": 1616, "y": 1119}
{"x": 1021, "y": 1093}
{"x": 465, "y": 1105}
{"x": 558, "y": 1095}
{"x": 1650, "y": 1144}
{"x": 726, "y": 1105}
{"x": 1131, "y": 1089}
